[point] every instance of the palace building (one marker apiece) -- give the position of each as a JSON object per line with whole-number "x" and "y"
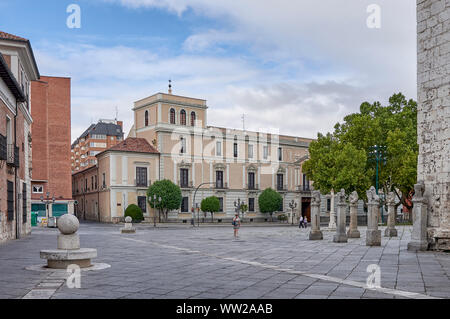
{"x": 170, "y": 139}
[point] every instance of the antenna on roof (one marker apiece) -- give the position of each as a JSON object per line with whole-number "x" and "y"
{"x": 170, "y": 86}
{"x": 117, "y": 113}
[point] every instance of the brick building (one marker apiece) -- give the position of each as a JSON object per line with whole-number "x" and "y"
{"x": 51, "y": 99}
{"x": 97, "y": 138}
{"x": 17, "y": 69}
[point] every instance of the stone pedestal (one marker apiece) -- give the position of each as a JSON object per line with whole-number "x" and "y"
{"x": 68, "y": 244}
{"x": 341, "y": 236}
{"x": 316, "y": 233}
{"x": 390, "y": 230}
{"x": 128, "y": 229}
{"x": 332, "y": 223}
{"x": 353, "y": 231}
{"x": 373, "y": 235}
{"x": 419, "y": 236}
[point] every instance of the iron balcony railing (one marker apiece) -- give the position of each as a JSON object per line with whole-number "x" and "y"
{"x": 12, "y": 157}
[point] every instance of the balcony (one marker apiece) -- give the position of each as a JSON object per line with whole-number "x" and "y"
{"x": 186, "y": 185}
{"x": 304, "y": 188}
{"x": 253, "y": 187}
{"x": 221, "y": 185}
{"x": 12, "y": 157}
{"x": 282, "y": 188}
{"x": 141, "y": 183}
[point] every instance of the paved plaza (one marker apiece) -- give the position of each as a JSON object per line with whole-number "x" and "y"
{"x": 178, "y": 262}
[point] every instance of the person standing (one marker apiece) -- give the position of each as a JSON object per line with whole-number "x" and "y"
{"x": 236, "y": 225}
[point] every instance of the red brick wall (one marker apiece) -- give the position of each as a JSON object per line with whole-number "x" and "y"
{"x": 50, "y": 108}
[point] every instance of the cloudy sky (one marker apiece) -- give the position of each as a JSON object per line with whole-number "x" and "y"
{"x": 297, "y": 66}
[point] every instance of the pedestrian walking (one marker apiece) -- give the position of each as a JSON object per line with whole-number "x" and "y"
{"x": 300, "y": 225}
{"x": 236, "y": 225}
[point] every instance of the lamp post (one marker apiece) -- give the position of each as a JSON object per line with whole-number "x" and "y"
{"x": 377, "y": 155}
{"x": 238, "y": 205}
{"x": 47, "y": 201}
{"x": 293, "y": 205}
{"x": 196, "y": 204}
{"x": 156, "y": 201}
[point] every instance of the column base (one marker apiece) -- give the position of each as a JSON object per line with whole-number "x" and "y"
{"x": 390, "y": 232}
{"x": 340, "y": 238}
{"x": 316, "y": 235}
{"x": 353, "y": 233}
{"x": 418, "y": 246}
{"x": 373, "y": 238}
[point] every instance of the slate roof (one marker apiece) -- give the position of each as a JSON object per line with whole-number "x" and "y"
{"x": 101, "y": 128}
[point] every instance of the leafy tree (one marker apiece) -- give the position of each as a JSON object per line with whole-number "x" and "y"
{"x": 169, "y": 193}
{"x": 344, "y": 159}
{"x": 210, "y": 205}
{"x": 269, "y": 201}
{"x": 135, "y": 212}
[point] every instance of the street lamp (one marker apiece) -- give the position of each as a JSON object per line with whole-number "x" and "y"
{"x": 196, "y": 204}
{"x": 293, "y": 205}
{"x": 47, "y": 201}
{"x": 155, "y": 198}
{"x": 238, "y": 205}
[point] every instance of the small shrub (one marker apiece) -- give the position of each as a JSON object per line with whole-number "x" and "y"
{"x": 282, "y": 217}
{"x": 134, "y": 212}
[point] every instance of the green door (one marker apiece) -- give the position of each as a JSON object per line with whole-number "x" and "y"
{"x": 59, "y": 210}
{"x": 39, "y": 209}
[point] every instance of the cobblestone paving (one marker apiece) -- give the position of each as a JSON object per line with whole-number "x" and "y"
{"x": 265, "y": 262}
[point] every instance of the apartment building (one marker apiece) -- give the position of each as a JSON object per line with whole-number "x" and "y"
{"x": 17, "y": 69}
{"x": 97, "y": 138}
{"x": 51, "y": 194}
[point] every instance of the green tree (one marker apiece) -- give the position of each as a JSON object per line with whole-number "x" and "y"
{"x": 344, "y": 160}
{"x": 210, "y": 205}
{"x": 170, "y": 195}
{"x": 269, "y": 201}
{"x": 135, "y": 212}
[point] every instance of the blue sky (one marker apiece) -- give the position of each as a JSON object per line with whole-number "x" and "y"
{"x": 268, "y": 59}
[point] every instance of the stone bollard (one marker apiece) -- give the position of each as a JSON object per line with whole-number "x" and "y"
{"x": 390, "y": 230}
{"x": 68, "y": 244}
{"x": 341, "y": 236}
{"x": 316, "y": 233}
{"x": 373, "y": 235}
{"x": 353, "y": 231}
{"x": 332, "y": 223}
{"x": 419, "y": 236}
{"x": 128, "y": 229}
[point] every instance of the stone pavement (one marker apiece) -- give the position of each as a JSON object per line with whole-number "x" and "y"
{"x": 206, "y": 262}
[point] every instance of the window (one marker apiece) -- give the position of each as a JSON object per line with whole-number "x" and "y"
{"x": 38, "y": 189}
{"x": 92, "y": 182}
{"x": 146, "y": 118}
{"x": 250, "y": 151}
{"x": 280, "y": 182}
{"x": 96, "y": 181}
{"x": 172, "y": 116}
{"x": 93, "y": 153}
{"x": 142, "y": 203}
{"x": 98, "y": 136}
{"x": 183, "y": 117}
{"x": 183, "y": 145}
{"x": 305, "y": 183}
{"x": 280, "y": 154}
{"x": 10, "y": 201}
{"x": 328, "y": 204}
{"x": 220, "y": 204}
{"x": 184, "y": 177}
{"x": 104, "y": 180}
{"x": 141, "y": 176}
{"x": 193, "y": 118}
{"x": 265, "y": 152}
{"x": 218, "y": 148}
{"x": 251, "y": 180}
{"x": 185, "y": 205}
{"x": 101, "y": 145}
{"x": 251, "y": 204}
{"x": 235, "y": 150}
{"x": 219, "y": 179}
{"x": 24, "y": 203}
{"x": 281, "y": 206}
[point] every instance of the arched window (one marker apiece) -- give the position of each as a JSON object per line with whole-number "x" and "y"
{"x": 146, "y": 118}
{"x": 192, "y": 118}
{"x": 172, "y": 116}
{"x": 183, "y": 117}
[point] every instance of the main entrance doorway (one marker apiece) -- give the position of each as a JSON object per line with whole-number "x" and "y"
{"x": 306, "y": 208}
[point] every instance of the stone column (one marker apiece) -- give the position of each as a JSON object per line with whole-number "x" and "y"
{"x": 316, "y": 233}
{"x": 373, "y": 235}
{"x": 390, "y": 230}
{"x": 341, "y": 236}
{"x": 419, "y": 240}
{"x": 332, "y": 223}
{"x": 353, "y": 231}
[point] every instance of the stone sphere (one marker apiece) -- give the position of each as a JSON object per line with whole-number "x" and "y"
{"x": 128, "y": 219}
{"x": 68, "y": 224}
